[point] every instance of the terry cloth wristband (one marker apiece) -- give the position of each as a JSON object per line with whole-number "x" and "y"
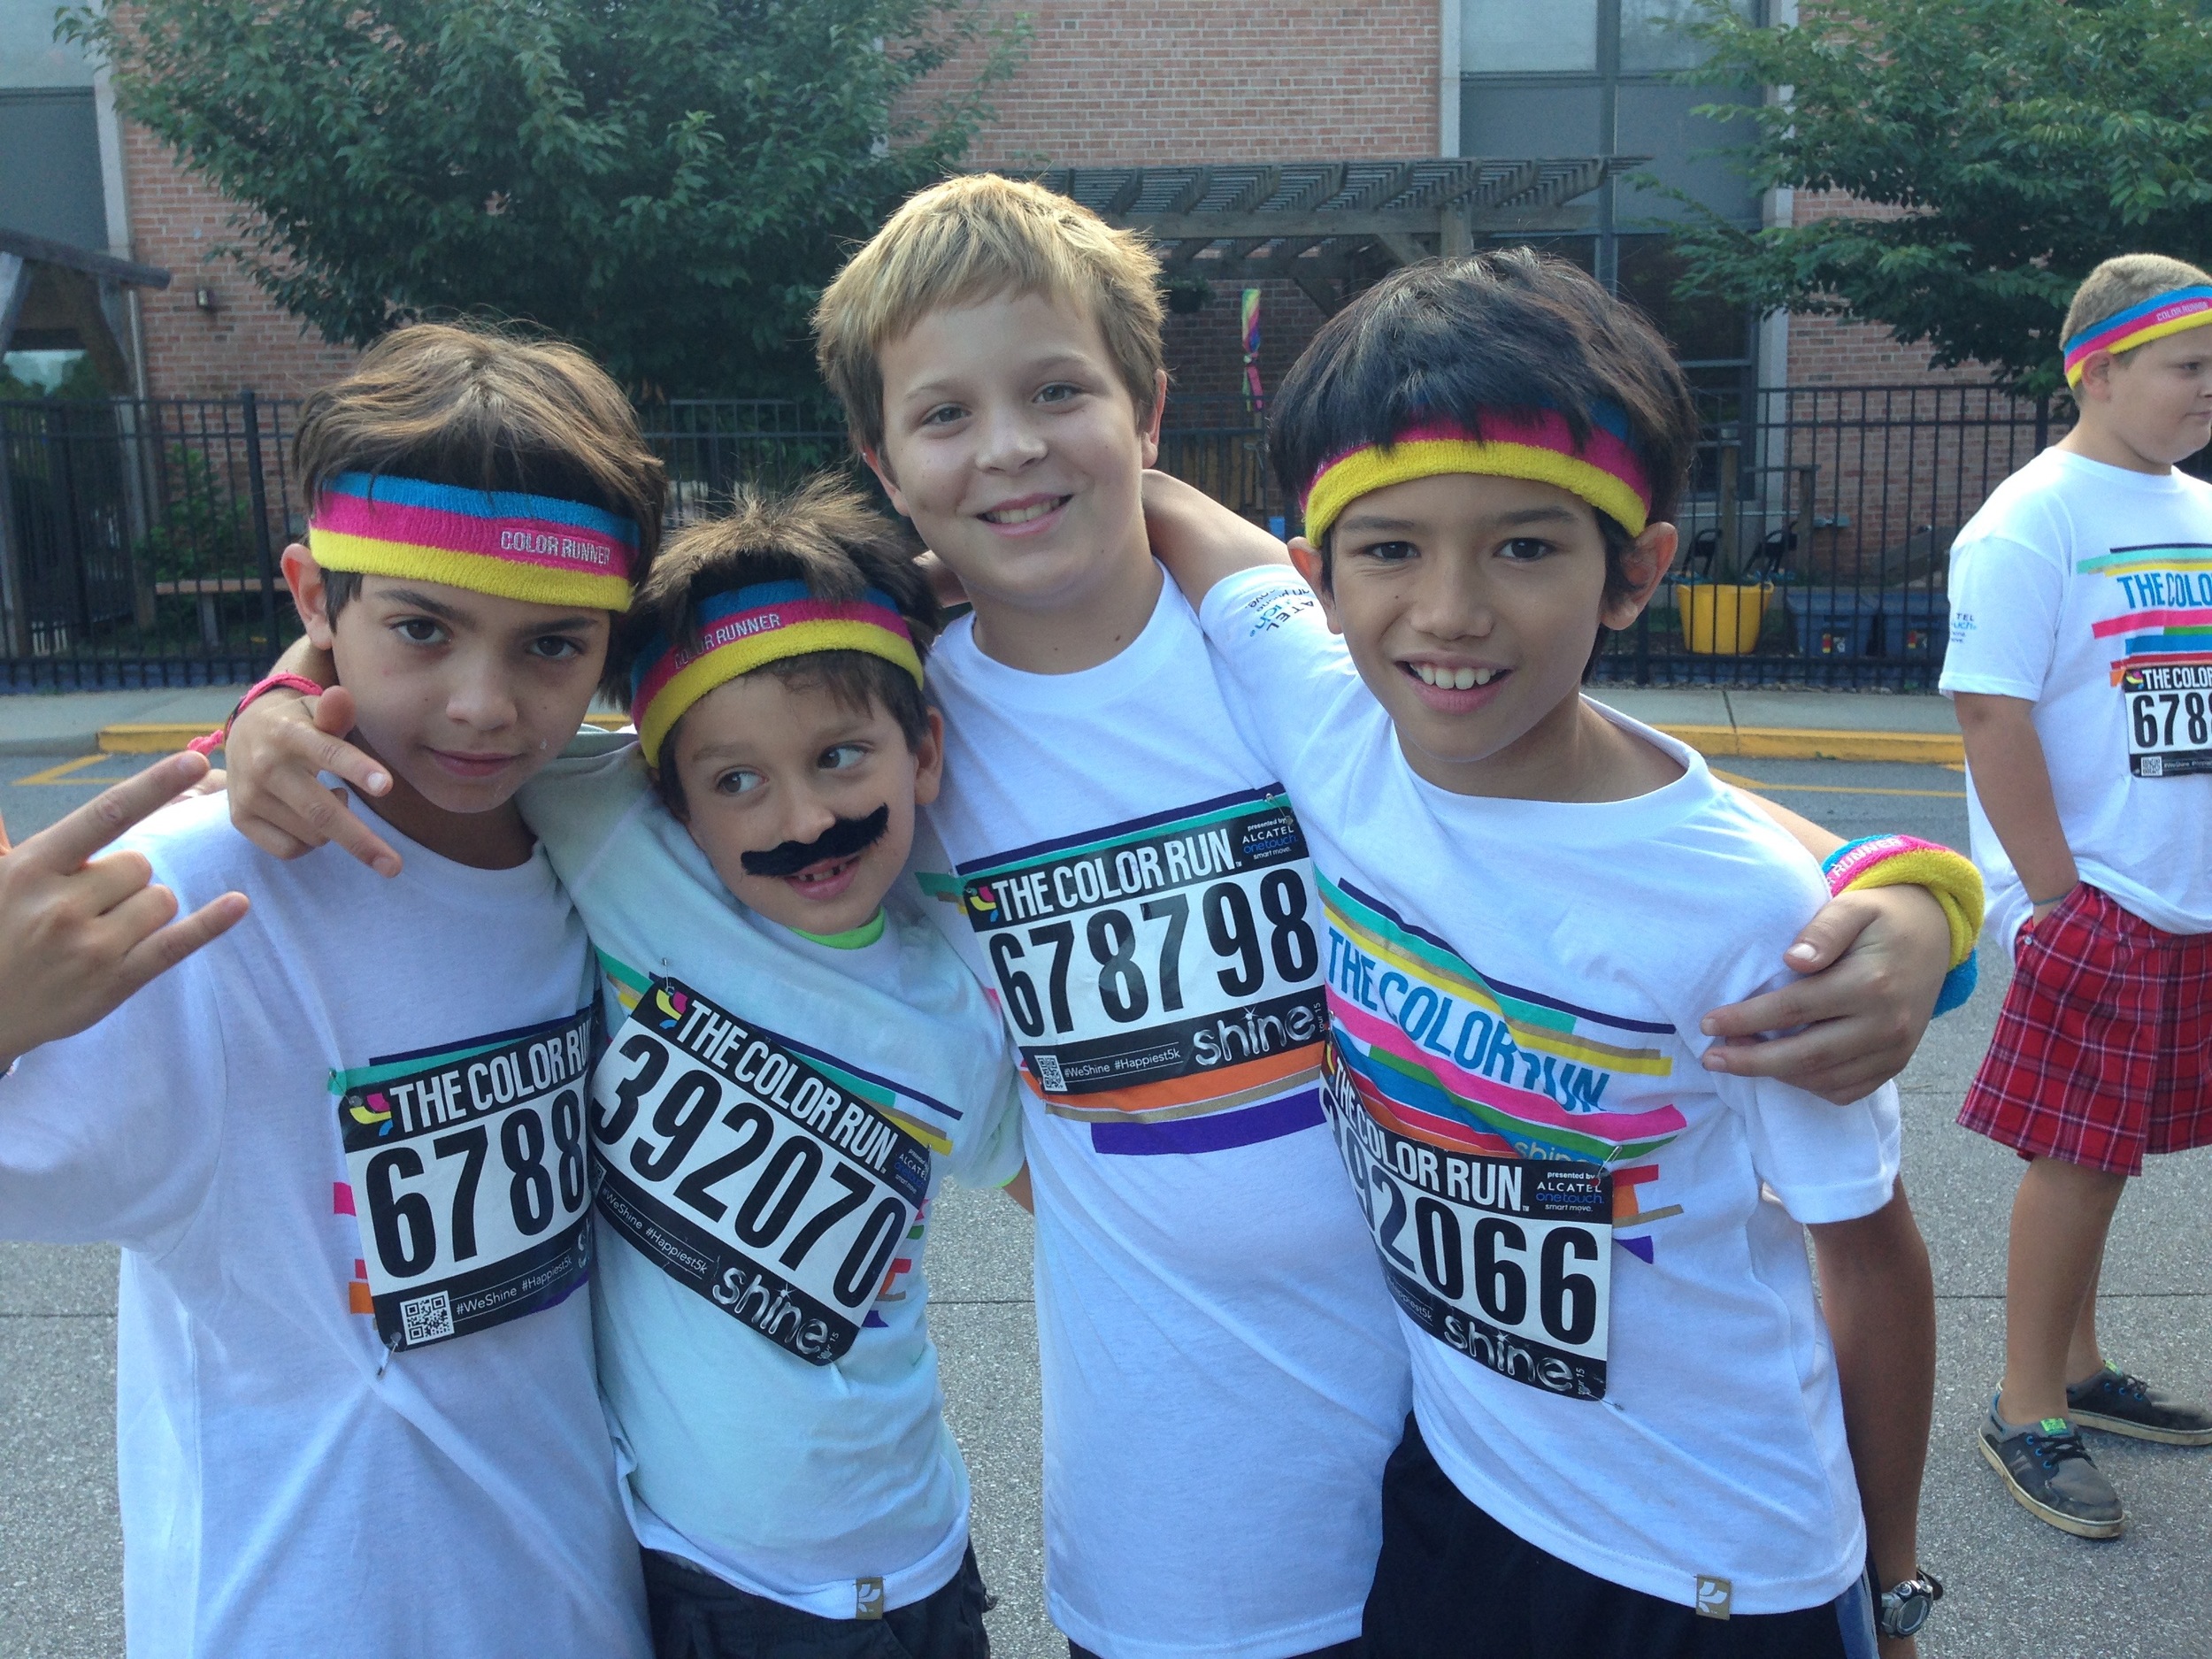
{"x": 2162, "y": 314}
{"x": 1888, "y": 861}
{"x": 215, "y": 739}
{"x": 749, "y": 629}
{"x": 538, "y": 549}
{"x": 1536, "y": 444}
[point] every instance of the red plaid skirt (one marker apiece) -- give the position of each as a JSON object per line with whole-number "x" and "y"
{"x": 2104, "y": 1049}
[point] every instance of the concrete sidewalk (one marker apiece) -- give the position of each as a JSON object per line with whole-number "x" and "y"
{"x": 1854, "y": 726}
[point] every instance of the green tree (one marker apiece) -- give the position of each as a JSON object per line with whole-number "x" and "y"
{"x": 2017, "y": 142}
{"x": 666, "y": 182}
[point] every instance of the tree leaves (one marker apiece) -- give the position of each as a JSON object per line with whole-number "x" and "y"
{"x": 667, "y": 182}
{"x": 2014, "y": 144}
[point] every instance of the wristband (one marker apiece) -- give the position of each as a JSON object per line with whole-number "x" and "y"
{"x": 216, "y": 739}
{"x": 1883, "y": 861}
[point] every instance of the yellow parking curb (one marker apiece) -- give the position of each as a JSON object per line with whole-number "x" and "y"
{"x": 166, "y": 737}
{"x": 1783, "y": 742}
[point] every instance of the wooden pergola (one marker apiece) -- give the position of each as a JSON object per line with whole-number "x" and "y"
{"x": 1326, "y": 225}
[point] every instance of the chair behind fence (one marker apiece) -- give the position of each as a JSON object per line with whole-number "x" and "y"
{"x": 139, "y": 538}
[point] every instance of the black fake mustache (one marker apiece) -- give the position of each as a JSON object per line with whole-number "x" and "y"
{"x": 841, "y": 840}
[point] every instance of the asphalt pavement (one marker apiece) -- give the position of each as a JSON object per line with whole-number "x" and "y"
{"x": 2016, "y": 1587}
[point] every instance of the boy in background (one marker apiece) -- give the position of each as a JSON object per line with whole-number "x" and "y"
{"x": 343, "y": 1148}
{"x": 1628, "y": 1436}
{"x": 2079, "y": 670}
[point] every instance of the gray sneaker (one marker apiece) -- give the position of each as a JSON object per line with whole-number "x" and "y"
{"x": 2120, "y": 1403}
{"x": 2050, "y": 1473}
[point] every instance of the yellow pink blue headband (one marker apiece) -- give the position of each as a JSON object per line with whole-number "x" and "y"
{"x": 749, "y": 629}
{"x": 1532, "y": 443}
{"x": 2162, "y": 314}
{"x": 536, "y": 548}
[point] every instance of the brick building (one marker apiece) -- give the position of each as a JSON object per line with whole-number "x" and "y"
{"x": 1105, "y": 82}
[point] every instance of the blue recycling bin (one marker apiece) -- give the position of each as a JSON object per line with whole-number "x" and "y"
{"x": 1915, "y": 622}
{"x": 1834, "y": 621}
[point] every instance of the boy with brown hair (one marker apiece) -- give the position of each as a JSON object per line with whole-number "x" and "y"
{"x": 2077, "y": 664}
{"x": 343, "y": 1147}
{"x": 1224, "y": 1379}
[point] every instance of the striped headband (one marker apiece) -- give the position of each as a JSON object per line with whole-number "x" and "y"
{"x": 2162, "y": 314}
{"x": 534, "y": 548}
{"x": 1532, "y": 443}
{"x": 749, "y": 629}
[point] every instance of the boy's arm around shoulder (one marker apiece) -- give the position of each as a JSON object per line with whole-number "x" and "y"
{"x": 1200, "y": 541}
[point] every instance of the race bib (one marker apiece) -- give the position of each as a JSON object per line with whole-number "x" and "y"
{"x": 1509, "y": 1261}
{"x": 1160, "y": 969}
{"x": 469, "y": 1175}
{"x": 2169, "y": 718}
{"x": 751, "y": 1170}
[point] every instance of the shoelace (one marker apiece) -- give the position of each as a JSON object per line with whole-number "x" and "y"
{"x": 2051, "y": 1450}
{"x": 2124, "y": 1384}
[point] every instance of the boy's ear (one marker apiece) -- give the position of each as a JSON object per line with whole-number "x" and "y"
{"x": 929, "y": 761}
{"x": 1648, "y": 559}
{"x": 304, "y": 578}
{"x": 1307, "y": 558}
{"x": 881, "y": 468}
{"x": 1150, "y": 435}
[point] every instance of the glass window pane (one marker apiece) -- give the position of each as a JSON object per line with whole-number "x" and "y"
{"x": 1652, "y": 36}
{"x": 1517, "y": 37}
{"x": 1653, "y": 119}
{"x": 1701, "y": 330}
{"x": 1527, "y": 120}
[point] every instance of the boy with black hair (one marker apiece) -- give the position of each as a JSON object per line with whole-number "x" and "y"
{"x": 797, "y": 1064}
{"x": 2077, "y": 664}
{"x": 1631, "y": 1433}
{"x": 343, "y": 1148}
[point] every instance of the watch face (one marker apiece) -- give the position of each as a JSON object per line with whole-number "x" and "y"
{"x": 1912, "y": 1612}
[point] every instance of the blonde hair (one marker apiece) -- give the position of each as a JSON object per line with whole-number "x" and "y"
{"x": 974, "y": 238}
{"x": 2127, "y": 280}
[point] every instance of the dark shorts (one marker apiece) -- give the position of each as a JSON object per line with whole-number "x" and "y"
{"x": 1340, "y": 1650}
{"x": 1453, "y": 1584}
{"x": 2103, "y": 1051}
{"x": 695, "y": 1616}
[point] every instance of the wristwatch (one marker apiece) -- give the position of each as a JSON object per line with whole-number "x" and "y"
{"x": 1903, "y": 1609}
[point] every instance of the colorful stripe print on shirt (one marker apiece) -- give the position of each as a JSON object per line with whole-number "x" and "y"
{"x": 2166, "y": 591}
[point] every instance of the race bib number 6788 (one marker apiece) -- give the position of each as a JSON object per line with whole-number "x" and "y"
{"x": 469, "y": 1178}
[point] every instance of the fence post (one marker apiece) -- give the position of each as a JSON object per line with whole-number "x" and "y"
{"x": 260, "y": 491}
{"x": 2042, "y": 423}
{"x": 15, "y": 596}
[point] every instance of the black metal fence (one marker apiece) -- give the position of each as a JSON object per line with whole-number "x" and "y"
{"x": 139, "y": 538}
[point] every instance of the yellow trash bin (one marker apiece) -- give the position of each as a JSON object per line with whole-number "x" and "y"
{"x": 1722, "y": 618}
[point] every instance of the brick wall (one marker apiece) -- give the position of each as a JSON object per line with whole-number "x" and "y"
{"x": 1117, "y": 81}
{"x": 1826, "y": 352}
{"x": 176, "y": 220}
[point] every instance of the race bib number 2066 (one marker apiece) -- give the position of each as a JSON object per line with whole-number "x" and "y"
{"x": 1507, "y": 1261}
{"x": 469, "y": 1175}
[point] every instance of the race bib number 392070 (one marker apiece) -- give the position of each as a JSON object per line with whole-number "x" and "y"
{"x": 1162, "y": 967}
{"x": 751, "y": 1170}
{"x": 469, "y": 1177}
{"x": 1507, "y": 1261}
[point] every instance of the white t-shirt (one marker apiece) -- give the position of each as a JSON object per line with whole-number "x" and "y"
{"x": 1515, "y": 988}
{"x": 807, "y": 1483}
{"x": 1222, "y": 1378}
{"x": 289, "y": 1484}
{"x": 2087, "y": 589}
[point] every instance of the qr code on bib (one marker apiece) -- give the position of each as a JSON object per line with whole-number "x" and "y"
{"x": 1049, "y": 1074}
{"x": 426, "y": 1318}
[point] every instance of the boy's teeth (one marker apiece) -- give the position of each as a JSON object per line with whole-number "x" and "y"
{"x": 1021, "y": 515}
{"x": 1455, "y": 679}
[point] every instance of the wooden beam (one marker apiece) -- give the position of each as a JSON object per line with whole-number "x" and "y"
{"x": 15, "y": 283}
{"x": 1235, "y": 227}
{"x": 39, "y": 250}
{"x": 1321, "y": 291}
{"x": 1126, "y": 195}
{"x": 1402, "y": 247}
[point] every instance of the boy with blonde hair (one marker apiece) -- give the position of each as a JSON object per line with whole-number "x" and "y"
{"x": 1224, "y": 1378}
{"x": 2079, "y": 670}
